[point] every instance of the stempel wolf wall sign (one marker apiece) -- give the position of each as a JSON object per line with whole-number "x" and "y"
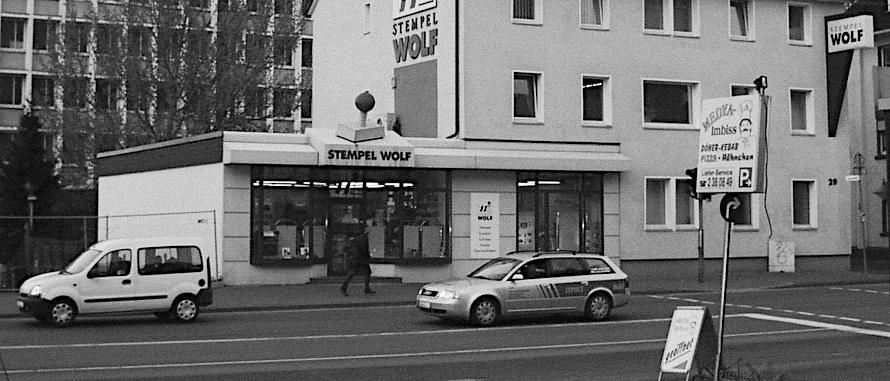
{"x": 731, "y": 145}
{"x": 415, "y": 30}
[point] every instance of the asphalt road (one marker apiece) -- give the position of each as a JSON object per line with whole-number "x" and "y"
{"x": 816, "y": 333}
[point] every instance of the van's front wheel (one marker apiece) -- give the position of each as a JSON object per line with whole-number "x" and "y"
{"x": 62, "y": 313}
{"x": 185, "y": 309}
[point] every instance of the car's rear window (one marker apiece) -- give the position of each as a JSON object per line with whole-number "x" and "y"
{"x": 169, "y": 260}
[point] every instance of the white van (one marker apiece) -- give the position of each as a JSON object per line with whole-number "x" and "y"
{"x": 166, "y": 276}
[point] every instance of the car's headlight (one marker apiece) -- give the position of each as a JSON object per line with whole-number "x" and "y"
{"x": 448, "y": 295}
{"x": 35, "y": 291}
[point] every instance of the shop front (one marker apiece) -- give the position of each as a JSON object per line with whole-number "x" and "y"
{"x": 285, "y": 205}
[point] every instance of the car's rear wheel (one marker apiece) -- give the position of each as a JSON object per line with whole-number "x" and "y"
{"x": 598, "y": 307}
{"x": 185, "y": 309}
{"x": 62, "y": 313}
{"x": 485, "y": 311}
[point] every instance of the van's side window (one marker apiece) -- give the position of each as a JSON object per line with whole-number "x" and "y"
{"x": 115, "y": 263}
{"x": 169, "y": 260}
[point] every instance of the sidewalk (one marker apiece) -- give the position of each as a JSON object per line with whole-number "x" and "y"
{"x": 327, "y": 295}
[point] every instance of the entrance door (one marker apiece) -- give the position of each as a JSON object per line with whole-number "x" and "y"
{"x": 346, "y": 220}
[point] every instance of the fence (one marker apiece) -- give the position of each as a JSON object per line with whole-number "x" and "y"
{"x": 34, "y": 245}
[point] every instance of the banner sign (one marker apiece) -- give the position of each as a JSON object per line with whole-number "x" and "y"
{"x": 691, "y": 339}
{"x": 415, "y": 30}
{"x": 850, "y": 33}
{"x": 732, "y": 145}
{"x": 485, "y": 222}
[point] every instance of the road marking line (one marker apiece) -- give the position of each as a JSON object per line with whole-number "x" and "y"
{"x": 873, "y": 322}
{"x": 827, "y": 316}
{"x": 848, "y": 319}
{"x": 860, "y": 290}
{"x": 337, "y": 336}
{"x": 806, "y": 313}
{"x": 383, "y": 356}
{"x": 818, "y": 324}
{"x": 763, "y": 308}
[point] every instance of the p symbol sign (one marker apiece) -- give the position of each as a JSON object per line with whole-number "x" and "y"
{"x": 745, "y": 177}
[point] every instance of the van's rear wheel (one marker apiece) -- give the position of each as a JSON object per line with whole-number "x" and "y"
{"x": 62, "y": 313}
{"x": 185, "y": 309}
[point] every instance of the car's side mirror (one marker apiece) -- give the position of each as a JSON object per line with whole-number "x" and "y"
{"x": 516, "y": 276}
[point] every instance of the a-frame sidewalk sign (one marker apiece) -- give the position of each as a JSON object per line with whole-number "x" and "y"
{"x": 691, "y": 341}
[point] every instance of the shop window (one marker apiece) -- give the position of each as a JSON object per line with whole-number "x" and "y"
{"x": 668, "y": 104}
{"x": 804, "y": 203}
{"x": 741, "y": 19}
{"x": 42, "y": 91}
{"x": 595, "y": 14}
{"x": 11, "y": 89}
{"x": 527, "y": 12}
{"x": 12, "y": 33}
{"x": 799, "y": 30}
{"x": 307, "y": 215}
{"x": 802, "y": 118}
{"x": 44, "y": 34}
{"x": 559, "y": 211}
{"x": 596, "y": 101}
{"x": 526, "y": 97}
{"x": 677, "y": 17}
{"x": 668, "y": 205}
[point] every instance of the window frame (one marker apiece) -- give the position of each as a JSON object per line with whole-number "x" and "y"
{"x": 810, "y": 104}
{"x": 20, "y": 30}
{"x": 756, "y": 202}
{"x": 670, "y": 205}
{"x": 881, "y": 140}
{"x": 607, "y": 101}
{"x": 52, "y": 97}
{"x": 604, "y": 12}
{"x": 807, "y": 23}
{"x": 694, "y": 104}
{"x": 51, "y": 31}
{"x": 752, "y": 90}
{"x": 538, "y": 17}
{"x": 539, "y": 109}
{"x": 813, "y": 200}
{"x": 18, "y": 94}
{"x": 668, "y": 22}
{"x": 751, "y": 22}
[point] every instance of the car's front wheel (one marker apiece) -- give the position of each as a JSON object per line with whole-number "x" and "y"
{"x": 598, "y": 307}
{"x": 185, "y": 309}
{"x": 485, "y": 311}
{"x": 62, "y": 313}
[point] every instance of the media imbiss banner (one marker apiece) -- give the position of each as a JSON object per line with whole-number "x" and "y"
{"x": 732, "y": 145}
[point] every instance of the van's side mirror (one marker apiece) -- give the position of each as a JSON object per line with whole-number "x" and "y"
{"x": 516, "y": 276}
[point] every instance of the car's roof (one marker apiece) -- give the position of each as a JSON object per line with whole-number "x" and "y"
{"x": 528, "y": 254}
{"x": 148, "y": 241}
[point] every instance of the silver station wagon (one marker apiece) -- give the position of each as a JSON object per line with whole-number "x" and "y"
{"x": 529, "y": 282}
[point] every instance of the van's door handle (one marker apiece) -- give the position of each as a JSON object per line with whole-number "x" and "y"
{"x": 126, "y": 281}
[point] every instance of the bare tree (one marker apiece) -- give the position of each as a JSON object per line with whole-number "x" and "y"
{"x": 146, "y": 71}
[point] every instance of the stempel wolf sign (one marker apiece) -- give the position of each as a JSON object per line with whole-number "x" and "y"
{"x": 732, "y": 145}
{"x": 417, "y": 36}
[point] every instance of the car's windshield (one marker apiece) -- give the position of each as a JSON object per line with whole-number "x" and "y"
{"x": 81, "y": 262}
{"x": 495, "y": 269}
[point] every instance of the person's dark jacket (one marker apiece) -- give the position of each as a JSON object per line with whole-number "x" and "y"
{"x": 360, "y": 256}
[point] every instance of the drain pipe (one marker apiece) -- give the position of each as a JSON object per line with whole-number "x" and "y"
{"x": 456, "y": 70}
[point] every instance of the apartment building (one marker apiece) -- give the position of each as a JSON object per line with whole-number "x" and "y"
{"x": 518, "y": 125}
{"x": 98, "y": 72}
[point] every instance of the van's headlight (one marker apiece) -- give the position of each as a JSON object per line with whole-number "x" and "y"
{"x": 448, "y": 295}
{"x": 35, "y": 291}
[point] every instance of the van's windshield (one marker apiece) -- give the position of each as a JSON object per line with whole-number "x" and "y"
{"x": 81, "y": 262}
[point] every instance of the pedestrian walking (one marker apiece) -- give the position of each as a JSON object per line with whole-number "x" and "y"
{"x": 359, "y": 262}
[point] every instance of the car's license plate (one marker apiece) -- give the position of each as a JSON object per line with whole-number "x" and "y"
{"x": 423, "y": 304}
{"x": 20, "y": 303}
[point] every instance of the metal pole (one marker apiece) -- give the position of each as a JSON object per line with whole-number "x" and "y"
{"x": 701, "y": 242}
{"x": 722, "y": 300}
